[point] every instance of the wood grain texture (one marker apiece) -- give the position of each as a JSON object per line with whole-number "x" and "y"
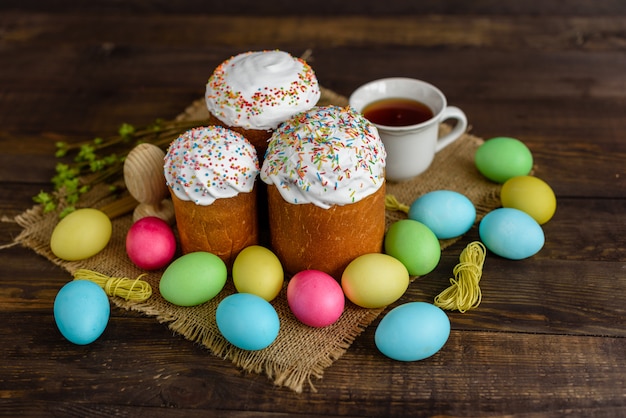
{"x": 548, "y": 337}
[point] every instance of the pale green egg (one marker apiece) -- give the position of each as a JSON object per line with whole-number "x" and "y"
{"x": 415, "y": 245}
{"x": 193, "y": 279}
{"x": 502, "y": 158}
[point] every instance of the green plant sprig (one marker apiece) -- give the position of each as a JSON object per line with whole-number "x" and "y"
{"x": 101, "y": 160}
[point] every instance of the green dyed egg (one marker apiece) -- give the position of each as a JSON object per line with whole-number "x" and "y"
{"x": 193, "y": 279}
{"x": 502, "y": 158}
{"x": 414, "y": 245}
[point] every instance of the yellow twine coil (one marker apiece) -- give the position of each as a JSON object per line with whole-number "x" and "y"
{"x": 392, "y": 203}
{"x": 464, "y": 293}
{"x": 130, "y": 289}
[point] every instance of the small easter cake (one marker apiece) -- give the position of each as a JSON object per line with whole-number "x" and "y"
{"x": 326, "y": 190}
{"x": 211, "y": 173}
{"x": 253, "y": 92}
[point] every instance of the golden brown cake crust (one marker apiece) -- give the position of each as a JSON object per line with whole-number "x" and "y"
{"x": 306, "y": 236}
{"x": 223, "y": 228}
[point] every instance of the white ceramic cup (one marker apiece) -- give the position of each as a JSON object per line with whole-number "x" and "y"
{"x": 411, "y": 149}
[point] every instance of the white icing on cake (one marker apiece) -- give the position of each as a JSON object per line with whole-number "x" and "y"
{"x": 325, "y": 156}
{"x": 209, "y": 163}
{"x": 259, "y": 90}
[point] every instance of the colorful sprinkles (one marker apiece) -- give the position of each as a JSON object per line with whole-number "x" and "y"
{"x": 209, "y": 163}
{"x": 326, "y": 156}
{"x": 259, "y": 90}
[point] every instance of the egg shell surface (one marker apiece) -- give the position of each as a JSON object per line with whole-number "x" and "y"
{"x": 447, "y": 213}
{"x": 315, "y": 298}
{"x": 81, "y": 234}
{"x": 531, "y": 195}
{"x": 511, "y": 233}
{"x": 257, "y": 270}
{"x": 414, "y": 244}
{"x": 502, "y": 158}
{"x": 374, "y": 280}
{"x": 412, "y": 331}
{"x": 247, "y": 321}
{"x": 81, "y": 311}
{"x": 150, "y": 243}
{"x": 193, "y": 278}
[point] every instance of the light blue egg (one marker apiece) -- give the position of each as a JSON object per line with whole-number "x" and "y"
{"x": 81, "y": 311}
{"x": 247, "y": 321}
{"x": 511, "y": 233}
{"x": 447, "y": 213}
{"x": 412, "y": 331}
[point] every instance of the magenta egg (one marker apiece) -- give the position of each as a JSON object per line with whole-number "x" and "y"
{"x": 150, "y": 243}
{"x": 315, "y": 298}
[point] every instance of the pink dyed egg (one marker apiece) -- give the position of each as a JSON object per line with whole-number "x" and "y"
{"x": 150, "y": 243}
{"x": 315, "y": 298}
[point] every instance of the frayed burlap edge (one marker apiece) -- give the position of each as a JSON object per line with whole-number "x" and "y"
{"x": 285, "y": 363}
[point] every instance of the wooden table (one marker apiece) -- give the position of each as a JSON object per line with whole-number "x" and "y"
{"x": 548, "y": 338}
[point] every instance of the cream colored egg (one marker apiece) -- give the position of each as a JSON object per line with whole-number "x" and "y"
{"x": 257, "y": 270}
{"x": 374, "y": 280}
{"x": 81, "y": 234}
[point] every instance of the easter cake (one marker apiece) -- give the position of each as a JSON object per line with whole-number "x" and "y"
{"x": 253, "y": 92}
{"x": 211, "y": 173}
{"x": 326, "y": 190}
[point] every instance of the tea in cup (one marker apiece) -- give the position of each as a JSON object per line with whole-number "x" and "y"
{"x": 407, "y": 113}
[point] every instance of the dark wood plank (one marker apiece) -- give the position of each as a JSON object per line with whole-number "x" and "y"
{"x": 112, "y": 370}
{"x": 519, "y": 32}
{"x": 310, "y": 7}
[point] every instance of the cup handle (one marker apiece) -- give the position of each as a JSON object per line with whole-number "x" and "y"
{"x": 452, "y": 112}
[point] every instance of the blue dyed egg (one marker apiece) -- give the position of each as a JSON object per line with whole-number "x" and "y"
{"x": 447, "y": 213}
{"x": 247, "y": 321}
{"x": 81, "y": 311}
{"x": 511, "y": 233}
{"x": 412, "y": 331}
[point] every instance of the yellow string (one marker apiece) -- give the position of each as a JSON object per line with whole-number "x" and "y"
{"x": 465, "y": 294}
{"x": 136, "y": 290}
{"x": 392, "y": 203}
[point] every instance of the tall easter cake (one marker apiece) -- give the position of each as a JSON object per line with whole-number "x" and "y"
{"x": 325, "y": 173}
{"x": 253, "y": 92}
{"x": 211, "y": 173}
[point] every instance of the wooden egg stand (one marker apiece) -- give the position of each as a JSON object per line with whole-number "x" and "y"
{"x": 145, "y": 181}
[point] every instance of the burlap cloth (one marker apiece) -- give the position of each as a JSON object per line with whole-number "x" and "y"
{"x": 300, "y": 352}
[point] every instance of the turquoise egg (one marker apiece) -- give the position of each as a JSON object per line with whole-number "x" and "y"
{"x": 81, "y": 311}
{"x": 412, "y": 331}
{"x": 447, "y": 213}
{"x": 247, "y": 321}
{"x": 502, "y": 158}
{"x": 511, "y": 233}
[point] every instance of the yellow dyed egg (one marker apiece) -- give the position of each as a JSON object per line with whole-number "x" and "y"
{"x": 81, "y": 234}
{"x": 531, "y": 195}
{"x": 374, "y": 280}
{"x": 257, "y": 270}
